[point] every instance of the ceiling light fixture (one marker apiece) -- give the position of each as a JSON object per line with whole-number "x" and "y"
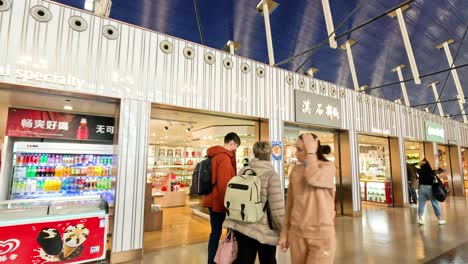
{"x": 68, "y": 107}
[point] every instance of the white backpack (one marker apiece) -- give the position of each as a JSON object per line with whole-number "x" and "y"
{"x": 243, "y": 200}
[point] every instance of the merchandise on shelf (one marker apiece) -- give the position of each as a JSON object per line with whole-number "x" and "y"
{"x": 376, "y": 191}
{"x": 50, "y": 175}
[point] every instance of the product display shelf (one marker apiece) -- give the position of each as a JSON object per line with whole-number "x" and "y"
{"x": 376, "y": 191}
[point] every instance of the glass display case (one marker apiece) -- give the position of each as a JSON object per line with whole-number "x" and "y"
{"x": 46, "y": 170}
{"x": 58, "y": 230}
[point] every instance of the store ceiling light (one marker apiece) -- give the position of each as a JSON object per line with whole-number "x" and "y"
{"x": 68, "y": 107}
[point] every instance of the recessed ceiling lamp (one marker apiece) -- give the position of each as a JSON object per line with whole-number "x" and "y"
{"x": 68, "y": 107}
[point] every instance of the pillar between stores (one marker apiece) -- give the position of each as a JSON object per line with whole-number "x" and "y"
{"x": 133, "y": 128}
{"x": 430, "y": 153}
{"x": 400, "y": 184}
{"x": 456, "y": 171}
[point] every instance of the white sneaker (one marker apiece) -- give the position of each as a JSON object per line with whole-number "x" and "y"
{"x": 421, "y": 221}
{"x": 413, "y": 205}
{"x": 442, "y": 222}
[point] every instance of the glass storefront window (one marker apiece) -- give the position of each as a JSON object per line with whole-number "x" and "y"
{"x": 374, "y": 158}
{"x": 374, "y": 170}
{"x": 291, "y": 134}
{"x": 414, "y": 152}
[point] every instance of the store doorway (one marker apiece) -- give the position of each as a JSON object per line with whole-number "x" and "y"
{"x": 464, "y": 158}
{"x": 327, "y": 137}
{"x": 178, "y": 140}
{"x": 449, "y": 168}
{"x": 380, "y": 172}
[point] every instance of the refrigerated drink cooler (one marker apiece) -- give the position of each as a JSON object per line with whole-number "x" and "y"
{"x": 48, "y": 170}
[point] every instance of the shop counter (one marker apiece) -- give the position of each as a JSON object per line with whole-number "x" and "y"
{"x": 69, "y": 230}
{"x": 376, "y": 191}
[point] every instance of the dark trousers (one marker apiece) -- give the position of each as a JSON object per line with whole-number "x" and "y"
{"x": 248, "y": 248}
{"x": 413, "y": 195}
{"x": 216, "y": 221}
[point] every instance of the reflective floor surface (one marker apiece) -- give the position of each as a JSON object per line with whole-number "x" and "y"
{"x": 382, "y": 235}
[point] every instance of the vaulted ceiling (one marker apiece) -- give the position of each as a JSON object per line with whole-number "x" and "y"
{"x": 300, "y": 24}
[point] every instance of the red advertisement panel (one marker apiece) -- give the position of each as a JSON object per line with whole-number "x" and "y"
{"x": 46, "y": 124}
{"x": 66, "y": 241}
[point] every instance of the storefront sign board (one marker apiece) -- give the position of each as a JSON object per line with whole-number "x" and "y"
{"x": 65, "y": 241}
{"x": 24, "y": 75}
{"x": 58, "y": 125}
{"x": 434, "y": 132}
{"x": 317, "y": 109}
{"x": 277, "y": 150}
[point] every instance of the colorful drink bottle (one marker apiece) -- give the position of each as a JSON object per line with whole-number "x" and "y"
{"x": 82, "y": 131}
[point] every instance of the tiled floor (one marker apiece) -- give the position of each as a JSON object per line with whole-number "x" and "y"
{"x": 380, "y": 236}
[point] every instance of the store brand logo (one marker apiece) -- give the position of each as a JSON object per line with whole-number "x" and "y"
{"x": 438, "y": 132}
{"x": 29, "y": 75}
{"x": 380, "y": 131}
{"x": 9, "y": 245}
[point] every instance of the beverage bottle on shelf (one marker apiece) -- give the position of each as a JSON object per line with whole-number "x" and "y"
{"x": 64, "y": 184}
{"x": 33, "y": 171}
{"x": 51, "y": 159}
{"x": 59, "y": 159}
{"x": 86, "y": 159}
{"x": 19, "y": 159}
{"x": 79, "y": 183}
{"x": 38, "y": 185}
{"x": 36, "y": 159}
{"x": 99, "y": 184}
{"x": 52, "y": 171}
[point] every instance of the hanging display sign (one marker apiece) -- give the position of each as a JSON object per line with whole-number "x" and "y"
{"x": 434, "y": 132}
{"x": 317, "y": 109}
{"x": 66, "y": 241}
{"x": 277, "y": 150}
{"x": 58, "y": 125}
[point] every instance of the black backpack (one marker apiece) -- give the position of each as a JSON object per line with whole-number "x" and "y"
{"x": 201, "y": 178}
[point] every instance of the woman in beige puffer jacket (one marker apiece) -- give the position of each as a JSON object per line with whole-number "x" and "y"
{"x": 259, "y": 237}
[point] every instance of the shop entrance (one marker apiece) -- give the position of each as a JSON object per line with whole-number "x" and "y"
{"x": 380, "y": 171}
{"x": 327, "y": 137}
{"x": 449, "y": 169}
{"x": 464, "y": 158}
{"x": 178, "y": 140}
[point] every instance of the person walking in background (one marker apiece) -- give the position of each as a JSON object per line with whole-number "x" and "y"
{"x": 309, "y": 225}
{"x": 223, "y": 166}
{"x": 261, "y": 237}
{"x": 426, "y": 179}
{"x": 413, "y": 183}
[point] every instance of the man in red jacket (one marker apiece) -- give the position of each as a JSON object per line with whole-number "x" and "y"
{"x": 223, "y": 166}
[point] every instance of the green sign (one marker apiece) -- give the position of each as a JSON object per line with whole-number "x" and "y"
{"x": 434, "y": 132}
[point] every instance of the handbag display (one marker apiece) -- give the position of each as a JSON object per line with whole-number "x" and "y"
{"x": 227, "y": 250}
{"x": 438, "y": 189}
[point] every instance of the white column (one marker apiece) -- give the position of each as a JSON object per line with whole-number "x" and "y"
{"x": 329, "y": 23}
{"x": 462, "y": 110}
{"x": 409, "y": 49}
{"x": 456, "y": 80}
{"x": 436, "y": 95}
{"x": 351, "y": 66}
{"x": 266, "y": 16}
{"x": 132, "y": 152}
{"x": 403, "y": 85}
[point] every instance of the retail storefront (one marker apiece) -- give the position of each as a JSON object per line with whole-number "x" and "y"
{"x": 198, "y": 93}
{"x": 58, "y": 151}
{"x": 178, "y": 140}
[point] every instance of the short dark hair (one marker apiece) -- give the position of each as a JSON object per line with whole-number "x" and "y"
{"x": 232, "y": 137}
